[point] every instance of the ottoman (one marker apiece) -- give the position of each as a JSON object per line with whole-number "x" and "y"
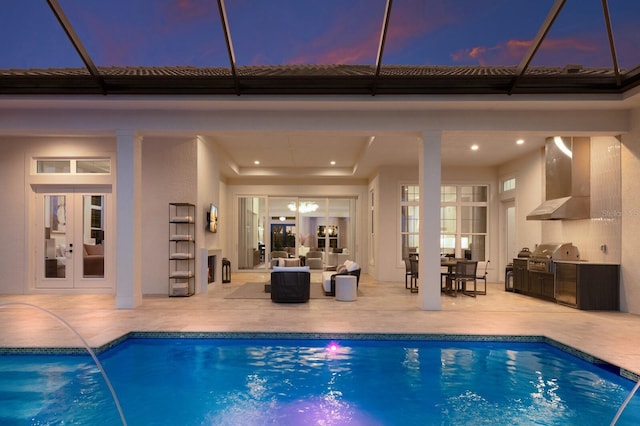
{"x": 346, "y": 288}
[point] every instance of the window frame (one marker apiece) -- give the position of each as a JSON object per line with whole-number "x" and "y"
{"x": 459, "y": 204}
{"x": 415, "y": 204}
{"x": 73, "y": 166}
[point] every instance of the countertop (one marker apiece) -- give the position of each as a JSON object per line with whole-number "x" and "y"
{"x": 585, "y": 262}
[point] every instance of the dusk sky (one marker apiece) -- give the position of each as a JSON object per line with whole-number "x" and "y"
{"x": 288, "y": 32}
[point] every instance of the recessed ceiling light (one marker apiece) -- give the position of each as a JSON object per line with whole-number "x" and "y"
{"x": 520, "y": 141}
{"x": 256, "y": 162}
{"x": 333, "y": 163}
{"x": 474, "y": 147}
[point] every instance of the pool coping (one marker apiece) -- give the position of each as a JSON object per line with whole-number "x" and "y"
{"x": 347, "y": 336}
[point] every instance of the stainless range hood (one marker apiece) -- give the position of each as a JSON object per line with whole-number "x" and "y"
{"x": 567, "y": 173}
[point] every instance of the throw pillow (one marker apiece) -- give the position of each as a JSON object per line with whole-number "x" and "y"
{"x": 353, "y": 266}
{"x": 341, "y": 269}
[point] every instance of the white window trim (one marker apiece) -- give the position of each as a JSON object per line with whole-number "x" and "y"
{"x": 459, "y": 204}
{"x": 72, "y": 165}
{"x": 401, "y": 203}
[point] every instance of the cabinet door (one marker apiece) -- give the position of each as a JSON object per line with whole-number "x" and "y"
{"x": 520, "y": 276}
{"x": 547, "y": 286}
{"x": 519, "y": 280}
{"x": 535, "y": 284}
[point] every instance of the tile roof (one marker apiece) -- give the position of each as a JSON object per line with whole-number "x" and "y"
{"x": 314, "y": 79}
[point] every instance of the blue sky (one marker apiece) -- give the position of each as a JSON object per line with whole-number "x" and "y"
{"x": 285, "y": 32}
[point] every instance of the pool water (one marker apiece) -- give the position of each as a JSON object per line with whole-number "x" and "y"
{"x": 314, "y": 382}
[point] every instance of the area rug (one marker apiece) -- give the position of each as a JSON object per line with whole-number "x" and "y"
{"x": 256, "y": 291}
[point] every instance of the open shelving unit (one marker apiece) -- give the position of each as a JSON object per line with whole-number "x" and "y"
{"x": 182, "y": 249}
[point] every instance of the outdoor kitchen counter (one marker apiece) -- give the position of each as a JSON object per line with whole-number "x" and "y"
{"x": 588, "y": 285}
{"x": 576, "y": 283}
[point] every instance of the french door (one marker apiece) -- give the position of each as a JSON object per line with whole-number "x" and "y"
{"x": 71, "y": 237}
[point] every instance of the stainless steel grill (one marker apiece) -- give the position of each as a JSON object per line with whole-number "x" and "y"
{"x": 543, "y": 257}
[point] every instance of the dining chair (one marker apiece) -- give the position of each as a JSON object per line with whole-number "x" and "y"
{"x": 407, "y": 272}
{"x": 483, "y": 277}
{"x": 413, "y": 261}
{"x": 464, "y": 274}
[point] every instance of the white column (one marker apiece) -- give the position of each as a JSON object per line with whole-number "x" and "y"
{"x": 129, "y": 220}
{"x": 430, "y": 179}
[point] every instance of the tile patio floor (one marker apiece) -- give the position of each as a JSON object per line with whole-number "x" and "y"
{"x": 382, "y": 308}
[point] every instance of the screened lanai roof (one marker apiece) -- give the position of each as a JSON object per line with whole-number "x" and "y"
{"x": 319, "y": 46}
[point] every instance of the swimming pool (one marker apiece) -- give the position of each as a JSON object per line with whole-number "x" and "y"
{"x": 260, "y": 381}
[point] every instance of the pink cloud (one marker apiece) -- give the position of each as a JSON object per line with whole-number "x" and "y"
{"x": 512, "y": 51}
{"x": 185, "y": 12}
{"x": 416, "y": 19}
{"x": 345, "y": 43}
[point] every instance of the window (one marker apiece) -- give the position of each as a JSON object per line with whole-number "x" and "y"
{"x": 54, "y": 166}
{"x": 508, "y": 184}
{"x": 71, "y": 167}
{"x": 463, "y": 221}
{"x": 409, "y": 219}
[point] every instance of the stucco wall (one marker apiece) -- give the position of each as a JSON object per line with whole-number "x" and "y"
{"x": 529, "y": 173}
{"x": 630, "y": 209}
{"x": 169, "y": 174}
{"x": 13, "y": 251}
{"x": 389, "y": 266}
{"x": 208, "y": 192}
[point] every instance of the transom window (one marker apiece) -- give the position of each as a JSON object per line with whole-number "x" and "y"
{"x": 68, "y": 166}
{"x": 508, "y": 184}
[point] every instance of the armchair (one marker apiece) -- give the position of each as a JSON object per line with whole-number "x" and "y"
{"x": 290, "y": 286}
{"x": 93, "y": 260}
{"x": 314, "y": 259}
{"x": 275, "y": 255}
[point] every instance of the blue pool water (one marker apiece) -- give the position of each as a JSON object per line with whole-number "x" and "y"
{"x": 314, "y": 382}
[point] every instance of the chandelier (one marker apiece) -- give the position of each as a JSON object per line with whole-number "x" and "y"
{"x": 303, "y": 206}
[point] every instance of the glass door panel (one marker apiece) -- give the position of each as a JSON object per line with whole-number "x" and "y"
{"x": 93, "y": 236}
{"x": 251, "y": 232}
{"x": 340, "y": 230}
{"x": 311, "y": 219}
{"x": 283, "y": 213}
{"x": 56, "y": 247}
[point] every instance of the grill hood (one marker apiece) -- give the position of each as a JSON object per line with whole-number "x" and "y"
{"x": 567, "y": 176}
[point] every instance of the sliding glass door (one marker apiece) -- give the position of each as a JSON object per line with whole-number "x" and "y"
{"x": 295, "y": 226}
{"x": 251, "y": 232}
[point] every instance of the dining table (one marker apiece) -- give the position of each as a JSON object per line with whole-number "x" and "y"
{"x": 450, "y": 264}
